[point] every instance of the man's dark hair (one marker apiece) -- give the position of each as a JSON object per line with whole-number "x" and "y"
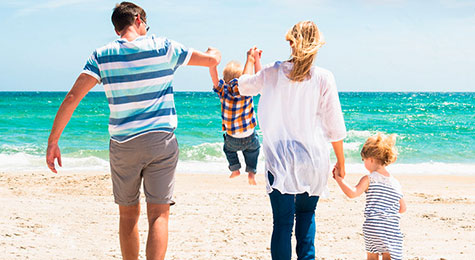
{"x": 124, "y": 15}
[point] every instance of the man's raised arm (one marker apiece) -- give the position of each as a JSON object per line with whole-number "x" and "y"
{"x": 210, "y": 58}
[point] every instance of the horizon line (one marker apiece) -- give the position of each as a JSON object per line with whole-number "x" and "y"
{"x": 211, "y": 91}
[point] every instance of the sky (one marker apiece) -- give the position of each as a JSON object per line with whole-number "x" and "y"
{"x": 371, "y": 45}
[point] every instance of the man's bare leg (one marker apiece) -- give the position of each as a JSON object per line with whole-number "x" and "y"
{"x": 158, "y": 231}
{"x": 129, "y": 231}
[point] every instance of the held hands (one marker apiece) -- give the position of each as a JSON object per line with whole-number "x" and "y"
{"x": 216, "y": 53}
{"x": 257, "y": 54}
{"x": 250, "y": 55}
{"x": 338, "y": 172}
{"x": 253, "y": 54}
{"x": 52, "y": 153}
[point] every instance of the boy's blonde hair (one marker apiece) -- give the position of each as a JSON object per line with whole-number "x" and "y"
{"x": 380, "y": 147}
{"x": 232, "y": 70}
{"x": 305, "y": 40}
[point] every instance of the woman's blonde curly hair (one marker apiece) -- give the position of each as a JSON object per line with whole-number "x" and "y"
{"x": 305, "y": 40}
{"x": 380, "y": 147}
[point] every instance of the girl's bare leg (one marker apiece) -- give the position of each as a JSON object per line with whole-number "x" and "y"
{"x": 372, "y": 256}
{"x": 386, "y": 256}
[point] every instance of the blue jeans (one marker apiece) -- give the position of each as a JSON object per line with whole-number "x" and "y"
{"x": 249, "y": 147}
{"x": 286, "y": 207}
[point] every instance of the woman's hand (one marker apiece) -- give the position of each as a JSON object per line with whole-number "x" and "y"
{"x": 340, "y": 157}
{"x": 339, "y": 171}
{"x": 251, "y": 54}
{"x": 250, "y": 61}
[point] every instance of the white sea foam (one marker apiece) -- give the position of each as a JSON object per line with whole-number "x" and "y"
{"x": 203, "y": 152}
{"x": 352, "y": 146}
{"x": 22, "y": 162}
{"x": 360, "y": 134}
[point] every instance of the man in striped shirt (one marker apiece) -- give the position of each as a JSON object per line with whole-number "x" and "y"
{"x": 136, "y": 71}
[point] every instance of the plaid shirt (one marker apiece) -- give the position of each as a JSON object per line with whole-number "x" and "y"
{"x": 237, "y": 111}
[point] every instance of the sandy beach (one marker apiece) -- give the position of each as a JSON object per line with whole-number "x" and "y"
{"x": 72, "y": 216}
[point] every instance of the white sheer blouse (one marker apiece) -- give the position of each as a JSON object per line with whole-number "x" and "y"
{"x": 298, "y": 120}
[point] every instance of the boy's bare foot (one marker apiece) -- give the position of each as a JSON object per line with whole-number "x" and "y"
{"x": 251, "y": 178}
{"x": 235, "y": 174}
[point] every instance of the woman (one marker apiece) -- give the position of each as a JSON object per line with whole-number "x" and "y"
{"x": 299, "y": 113}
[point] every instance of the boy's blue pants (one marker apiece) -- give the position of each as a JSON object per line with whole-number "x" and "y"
{"x": 250, "y": 149}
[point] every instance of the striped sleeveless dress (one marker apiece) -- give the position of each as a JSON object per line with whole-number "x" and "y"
{"x": 381, "y": 227}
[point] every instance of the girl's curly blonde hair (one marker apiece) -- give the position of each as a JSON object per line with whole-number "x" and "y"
{"x": 380, "y": 147}
{"x": 305, "y": 40}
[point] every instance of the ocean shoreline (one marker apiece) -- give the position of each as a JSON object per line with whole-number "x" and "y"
{"x": 26, "y": 163}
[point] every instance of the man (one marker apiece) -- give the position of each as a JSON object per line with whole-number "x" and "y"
{"x": 136, "y": 71}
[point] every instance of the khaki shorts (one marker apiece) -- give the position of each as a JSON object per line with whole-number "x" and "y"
{"x": 153, "y": 157}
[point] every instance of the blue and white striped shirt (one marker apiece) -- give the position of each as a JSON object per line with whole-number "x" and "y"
{"x": 137, "y": 78}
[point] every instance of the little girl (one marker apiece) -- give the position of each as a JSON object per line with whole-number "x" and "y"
{"x": 384, "y": 199}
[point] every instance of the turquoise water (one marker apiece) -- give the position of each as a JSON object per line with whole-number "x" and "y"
{"x": 431, "y": 127}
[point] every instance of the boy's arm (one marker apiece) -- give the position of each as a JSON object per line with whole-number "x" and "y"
{"x": 257, "y": 63}
{"x": 250, "y": 61}
{"x": 402, "y": 205}
{"x": 210, "y": 58}
{"x": 352, "y": 192}
{"x": 81, "y": 87}
{"x": 213, "y": 72}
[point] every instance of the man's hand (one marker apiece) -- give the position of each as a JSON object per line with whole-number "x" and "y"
{"x": 81, "y": 87}
{"x": 53, "y": 153}
{"x": 216, "y": 53}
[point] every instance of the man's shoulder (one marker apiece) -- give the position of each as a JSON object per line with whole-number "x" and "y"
{"x": 104, "y": 49}
{"x": 145, "y": 42}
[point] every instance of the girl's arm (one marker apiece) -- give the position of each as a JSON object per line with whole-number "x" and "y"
{"x": 402, "y": 205}
{"x": 352, "y": 192}
{"x": 213, "y": 72}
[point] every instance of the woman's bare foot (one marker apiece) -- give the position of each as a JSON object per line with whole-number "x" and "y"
{"x": 251, "y": 178}
{"x": 235, "y": 174}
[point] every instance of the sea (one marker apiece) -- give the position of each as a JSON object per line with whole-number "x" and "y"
{"x": 435, "y": 131}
